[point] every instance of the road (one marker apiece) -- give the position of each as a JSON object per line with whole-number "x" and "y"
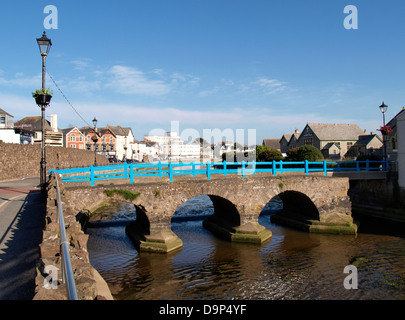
{"x": 22, "y": 219}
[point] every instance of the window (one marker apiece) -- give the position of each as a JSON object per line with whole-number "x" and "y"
{"x": 88, "y": 138}
{"x": 2, "y": 119}
{"x": 111, "y": 140}
{"x": 103, "y": 139}
{"x": 80, "y": 138}
{"x": 308, "y": 141}
{"x": 73, "y": 146}
{"x": 72, "y": 138}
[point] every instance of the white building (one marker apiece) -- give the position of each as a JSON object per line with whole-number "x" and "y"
{"x": 172, "y": 147}
{"x": 10, "y": 134}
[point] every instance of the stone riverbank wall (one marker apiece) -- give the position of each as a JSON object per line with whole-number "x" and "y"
{"x": 381, "y": 198}
{"x": 19, "y": 161}
{"x": 89, "y": 284}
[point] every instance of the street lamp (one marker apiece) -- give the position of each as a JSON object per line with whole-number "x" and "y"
{"x": 44, "y": 46}
{"x": 383, "y": 109}
{"x": 95, "y": 139}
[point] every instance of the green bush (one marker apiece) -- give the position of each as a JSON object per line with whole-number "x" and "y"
{"x": 306, "y": 152}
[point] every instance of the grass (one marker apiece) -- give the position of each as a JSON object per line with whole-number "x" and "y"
{"x": 128, "y": 195}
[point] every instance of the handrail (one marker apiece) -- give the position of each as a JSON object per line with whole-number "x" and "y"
{"x": 67, "y": 271}
{"x": 171, "y": 169}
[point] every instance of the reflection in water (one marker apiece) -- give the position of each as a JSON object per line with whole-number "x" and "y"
{"x": 292, "y": 265}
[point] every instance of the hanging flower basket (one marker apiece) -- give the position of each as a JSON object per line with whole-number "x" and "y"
{"x": 42, "y": 96}
{"x": 385, "y": 130}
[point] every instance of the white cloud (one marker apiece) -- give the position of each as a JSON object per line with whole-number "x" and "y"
{"x": 128, "y": 80}
{"x": 21, "y": 80}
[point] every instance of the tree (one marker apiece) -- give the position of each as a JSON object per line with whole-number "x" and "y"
{"x": 269, "y": 155}
{"x": 201, "y": 141}
{"x": 306, "y": 152}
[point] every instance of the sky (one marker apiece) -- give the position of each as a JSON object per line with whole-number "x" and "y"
{"x": 256, "y": 69}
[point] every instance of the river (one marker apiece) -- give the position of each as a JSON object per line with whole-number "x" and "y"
{"x": 292, "y": 265}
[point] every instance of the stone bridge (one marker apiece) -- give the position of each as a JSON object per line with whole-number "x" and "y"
{"x": 311, "y": 203}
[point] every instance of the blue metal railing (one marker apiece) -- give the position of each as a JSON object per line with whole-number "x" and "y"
{"x": 133, "y": 170}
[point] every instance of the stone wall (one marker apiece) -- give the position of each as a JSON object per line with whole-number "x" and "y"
{"x": 89, "y": 284}
{"x": 20, "y": 161}
{"x": 381, "y": 198}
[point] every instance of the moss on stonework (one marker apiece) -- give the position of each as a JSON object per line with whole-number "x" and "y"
{"x": 128, "y": 195}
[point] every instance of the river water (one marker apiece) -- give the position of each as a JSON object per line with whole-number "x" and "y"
{"x": 292, "y": 265}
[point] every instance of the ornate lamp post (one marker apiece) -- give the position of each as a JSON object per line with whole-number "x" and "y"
{"x": 95, "y": 139}
{"x": 383, "y": 109}
{"x": 43, "y": 101}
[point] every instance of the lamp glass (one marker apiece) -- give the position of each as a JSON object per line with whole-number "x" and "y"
{"x": 383, "y": 108}
{"x": 44, "y": 44}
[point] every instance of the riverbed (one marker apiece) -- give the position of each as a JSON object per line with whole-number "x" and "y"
{"x": 291, "y": 265}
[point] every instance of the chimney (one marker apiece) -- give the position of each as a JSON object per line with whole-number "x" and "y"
{"x": 297, "y": 131}
{"x": 372, "y": 133}
{"x": 365, "y": 131}
{"x": 54, "y": 122}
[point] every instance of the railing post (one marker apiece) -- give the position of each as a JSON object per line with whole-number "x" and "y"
{"x": 92, "y": 175}
{"x": 254, "y": 167}
{"x": 160, "y": 169}
{"x": 306, "y": 167}
{"x": 281, "y": 166}
{"x": 274, "y": 168}
{"x": 224, "y": 162}
{"x": 367, "y": 165}
{"x": 125, "y": 170}
{"x": 194, "y": 173}
{"x": 357, "y": 166}
{"x": 209, "y": 170}
{"x": 243, "y": 169}
{"x": 325, "y": 169}
{"x": 170, "y": 172}
{"x": 131, "y": 173}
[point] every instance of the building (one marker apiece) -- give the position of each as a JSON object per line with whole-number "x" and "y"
{"x": 6, "y": 120}
{"x": 395, "y": 145}
{"x": 272, "y": 143}
{"x": 172, "y": 147}
{"x": 369, "y": 144}
{"x": 335, "y": 141}
{"x": 124, "y": 139}
{"x": 74, "y": 138}
{"x": 53, "y": 135}
{"x": 289, "y": 141}
{"x": 11, "y": 134}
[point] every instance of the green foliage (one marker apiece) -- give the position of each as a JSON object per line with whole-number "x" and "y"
{"x": 266, "y": 154}
{"x": 306, "y": 152}
{"x": 128, "y": 195}
{"x": 234, "y": 156}
{"x": 45, "y": 91}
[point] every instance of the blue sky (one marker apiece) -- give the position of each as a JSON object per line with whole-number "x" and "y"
{"x": 266, "y": 65}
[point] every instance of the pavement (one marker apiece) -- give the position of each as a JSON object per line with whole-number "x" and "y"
{"x": 22, "y": 219}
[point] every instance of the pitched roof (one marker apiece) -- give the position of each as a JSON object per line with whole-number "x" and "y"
{"x": 333, "y": 131}
{"x": 272, "y": 143}
{"x": 364, "y": 140}
{"x": 118, "y": 130}
{"x": 5, "y": 112}
{"x": 330, "y": 145}
{"x": 33, "y": 123}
